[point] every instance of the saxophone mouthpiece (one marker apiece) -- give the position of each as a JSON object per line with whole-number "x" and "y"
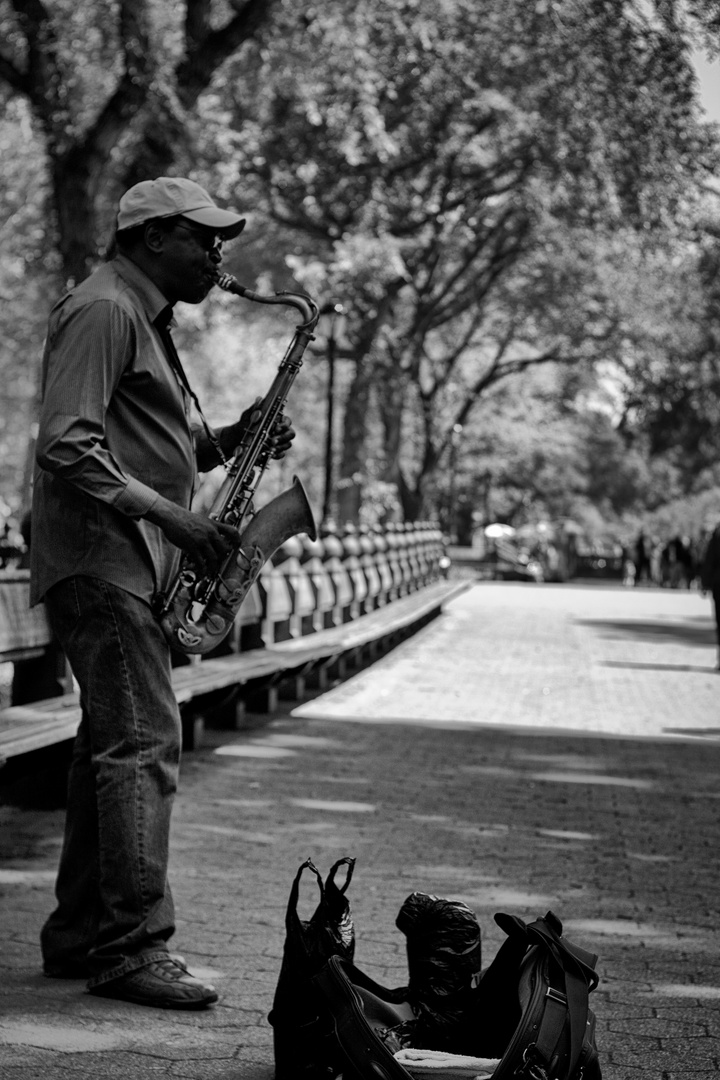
{"x": 230, "y": 284}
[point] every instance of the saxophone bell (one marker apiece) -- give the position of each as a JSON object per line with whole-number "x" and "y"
{"x": 199, "y": 614}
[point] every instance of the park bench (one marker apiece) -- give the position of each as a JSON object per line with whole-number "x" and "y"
{"x": 341, "y": 649}
{"x": 311, "y": 617}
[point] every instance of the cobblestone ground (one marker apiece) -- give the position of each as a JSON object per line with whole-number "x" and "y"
{"x": 536, "y": 747}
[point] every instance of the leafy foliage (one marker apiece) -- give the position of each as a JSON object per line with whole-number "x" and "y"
{"x": 490, "y": 190}
{"x": 447, "y": 162}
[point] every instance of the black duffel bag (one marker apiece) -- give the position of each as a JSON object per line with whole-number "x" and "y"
{"x": 528, "y": 1018}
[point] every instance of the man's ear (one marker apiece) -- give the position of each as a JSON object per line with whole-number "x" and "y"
{"x": 154, "y": 237}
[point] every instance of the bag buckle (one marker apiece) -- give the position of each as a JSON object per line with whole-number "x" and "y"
{"x": 555, "y": 995}
{"x": 533, "y": 1065}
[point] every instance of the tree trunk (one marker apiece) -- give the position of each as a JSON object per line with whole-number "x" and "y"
{"x": 392, "y": 400}
{"x": 352, "y": 457}
{"x": 75, "y": 209}
{"x": 412, "y": 500}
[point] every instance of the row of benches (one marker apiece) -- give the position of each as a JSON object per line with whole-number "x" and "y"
{"x": 319, "y": 610}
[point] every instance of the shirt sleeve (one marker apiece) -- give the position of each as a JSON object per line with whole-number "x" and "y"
{"x": 87, "y": 351}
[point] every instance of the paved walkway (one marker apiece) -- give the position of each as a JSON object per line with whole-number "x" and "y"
{"x": 536, "y": 747}
{"x": 605, "y": 660}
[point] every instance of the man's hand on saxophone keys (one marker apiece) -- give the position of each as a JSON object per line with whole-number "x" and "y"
{"x": 206, "y": 543}
{"x": 281, "y": 436}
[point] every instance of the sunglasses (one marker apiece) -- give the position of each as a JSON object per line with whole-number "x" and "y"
{"x": 208, "y": 243}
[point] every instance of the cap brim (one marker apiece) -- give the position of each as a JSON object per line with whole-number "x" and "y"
{"x": 223, "y": 222}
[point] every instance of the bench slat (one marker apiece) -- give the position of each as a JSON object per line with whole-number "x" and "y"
{"x": 23, "y": 630}
{"x": 395, "y": 616}
{"x": 35, "y": 734}
{"x": 233, "y": 670}
{"x": 43, "y": 723}
{"x": 30, "y": 727}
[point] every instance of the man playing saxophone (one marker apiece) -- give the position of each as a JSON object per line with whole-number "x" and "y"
{"x": 118, "y": 454}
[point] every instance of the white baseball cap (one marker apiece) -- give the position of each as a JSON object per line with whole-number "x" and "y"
{"x": 169, "y": 196}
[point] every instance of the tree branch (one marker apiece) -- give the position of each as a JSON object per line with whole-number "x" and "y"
{"x": 206, "y": 49}
{"x": 85, "y": 159}
{"x": 15, "y": 78}
{"x": 43, "y": 82}
{"x": 131, "y": 91}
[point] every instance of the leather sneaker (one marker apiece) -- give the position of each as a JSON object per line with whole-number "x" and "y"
{"x": 163, "y": 984}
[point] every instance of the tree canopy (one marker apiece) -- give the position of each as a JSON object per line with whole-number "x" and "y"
{"x": 486, "y": 188}
{"x": 461, "y": 169}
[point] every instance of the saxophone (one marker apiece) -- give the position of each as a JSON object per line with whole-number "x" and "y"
{"x": 198, "y": 611}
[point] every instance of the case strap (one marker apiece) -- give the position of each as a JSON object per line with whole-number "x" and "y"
{"x": 576, "y": 983}
{"x": 580, "y": 978}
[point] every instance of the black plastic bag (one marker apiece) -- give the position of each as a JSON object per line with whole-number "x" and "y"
{"x": 444, "y": 952}
{"x": 301, "y": 1029}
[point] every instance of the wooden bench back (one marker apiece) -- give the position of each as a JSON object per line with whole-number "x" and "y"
{"x": 24, "y": 631}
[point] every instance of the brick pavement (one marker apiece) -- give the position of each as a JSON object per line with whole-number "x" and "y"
{"x": 525, "y": 810}
{"x": 601, "y": 659}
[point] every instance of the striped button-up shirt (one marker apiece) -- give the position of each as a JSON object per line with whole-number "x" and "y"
{"x": 114, "y": 434}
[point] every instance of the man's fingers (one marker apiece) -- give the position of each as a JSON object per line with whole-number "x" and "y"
{"x": 222, "y": 540}
{"x": 213, "y": 545}
{"x": 255, "y": 411}
{"x": 282, "y": 437}
{"x": 228, "y": 540}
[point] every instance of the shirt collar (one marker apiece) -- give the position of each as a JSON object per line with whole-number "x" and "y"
{"x": 151, "y": 299}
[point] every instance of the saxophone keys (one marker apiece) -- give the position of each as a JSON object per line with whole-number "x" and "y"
{"x": 242, "y": 560}
{"x": 216, "y": 624}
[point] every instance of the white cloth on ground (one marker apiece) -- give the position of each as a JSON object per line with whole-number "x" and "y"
{"x": 437, "y": 1065}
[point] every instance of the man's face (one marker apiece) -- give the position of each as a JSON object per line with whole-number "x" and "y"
{"x": 188, "y": 262}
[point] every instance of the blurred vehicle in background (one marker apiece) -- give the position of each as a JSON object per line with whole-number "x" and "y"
{"x": 599, "y": 560}
{"x": 542, "y": 551}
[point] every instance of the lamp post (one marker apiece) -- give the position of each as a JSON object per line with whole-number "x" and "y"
{"x": 330, "y": 312}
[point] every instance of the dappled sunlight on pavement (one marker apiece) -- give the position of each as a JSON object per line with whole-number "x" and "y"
{"x": 486, "y": 790}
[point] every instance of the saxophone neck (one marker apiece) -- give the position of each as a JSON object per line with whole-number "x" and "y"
{"x": 304, "y": 304}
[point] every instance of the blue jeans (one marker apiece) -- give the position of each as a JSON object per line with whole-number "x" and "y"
{"x": 114, "y": 906}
